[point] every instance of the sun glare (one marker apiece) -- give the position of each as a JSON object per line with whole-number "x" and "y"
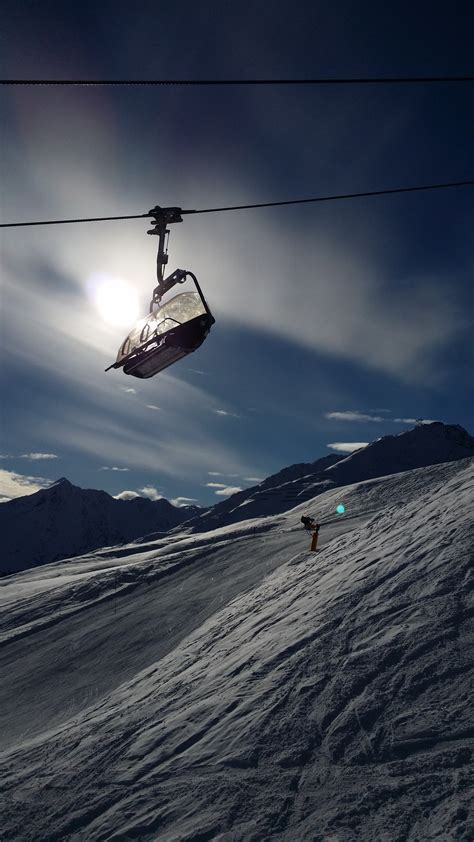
{"x": 115, "y": 299}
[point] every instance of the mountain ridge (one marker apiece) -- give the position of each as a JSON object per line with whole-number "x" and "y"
{"x": 428, "y": 444}
{"x": 64, "y": 520}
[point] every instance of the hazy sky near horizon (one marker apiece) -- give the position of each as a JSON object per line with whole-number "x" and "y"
{"x": 335, "y": 323}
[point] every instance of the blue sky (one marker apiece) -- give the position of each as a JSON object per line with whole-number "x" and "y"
{"x": 335, "y": 323}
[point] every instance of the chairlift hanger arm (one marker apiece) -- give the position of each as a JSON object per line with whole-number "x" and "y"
{"x": 162, "y": 217}
{"x": 165, "y": 284}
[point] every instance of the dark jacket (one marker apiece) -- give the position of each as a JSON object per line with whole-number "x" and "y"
{"x": 308, "y": 522}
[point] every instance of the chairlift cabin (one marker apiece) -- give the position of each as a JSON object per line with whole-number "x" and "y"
{"x": 163, "y": 337}
{"x": 176, "y": 328}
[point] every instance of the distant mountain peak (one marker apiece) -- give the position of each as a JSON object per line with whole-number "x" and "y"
{"x": 65, "y": 520}
{"x": 61, "y": 481}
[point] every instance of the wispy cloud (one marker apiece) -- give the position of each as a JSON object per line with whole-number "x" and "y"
{"x": 126, "y": 495}
{"x": 383, "y": 326}
{"x": 113, "y": 468}
{"x": 222, "y": 490}
{"x": 355, "y": 415}
{"x": 184, "y": 450}
{"x": 33, "y": 457}
{"x": 413, "y": 420}
{"x": 224, "y": 412}
{"x": 151, "y": 492}
{"x": 152, "y": 406}
{"x": 253, "y": 479}
{"x": 38, "y": 456}
{"x": 352, "y": 415}
{"x": 128, "y": 389}
{"x": 219, "y": 474}
{"x": 183, "y": 501}
{"x": 388, "y": 326}
{"x": 147, "y": 491}
{"x": 347, "y": 446}
{"x": 14, "y": 485}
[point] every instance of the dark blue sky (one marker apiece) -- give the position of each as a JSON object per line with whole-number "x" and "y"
{"x": 326, "y": 314}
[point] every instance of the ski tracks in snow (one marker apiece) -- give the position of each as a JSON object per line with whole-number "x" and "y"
{"x": 328, "y": 701}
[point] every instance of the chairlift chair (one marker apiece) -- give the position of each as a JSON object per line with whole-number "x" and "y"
{"x": 177, "y": 327}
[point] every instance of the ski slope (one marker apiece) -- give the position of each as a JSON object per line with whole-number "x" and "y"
{"x": 232, "y": 686}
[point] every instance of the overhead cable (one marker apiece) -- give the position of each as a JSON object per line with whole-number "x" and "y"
{"x": 384, "y": 80}
{"x": 338, "y": 197}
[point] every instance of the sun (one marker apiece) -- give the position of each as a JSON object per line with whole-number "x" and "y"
{"x": 115, "y": 299}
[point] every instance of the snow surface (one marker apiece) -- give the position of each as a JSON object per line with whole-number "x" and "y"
{"x": 232, "y": 686}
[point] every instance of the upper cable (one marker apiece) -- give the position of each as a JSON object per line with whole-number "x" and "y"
{"x": 335, "y": 198}
{"x": 383, "y": 80}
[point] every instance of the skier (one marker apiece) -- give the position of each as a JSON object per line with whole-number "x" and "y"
{"x": 311, "y": 526}
{"x": 309, "y": 523}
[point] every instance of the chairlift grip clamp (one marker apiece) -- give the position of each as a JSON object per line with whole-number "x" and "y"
{"x": 164, "y": 216}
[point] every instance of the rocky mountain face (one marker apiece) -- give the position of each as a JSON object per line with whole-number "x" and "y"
{"x": 64, "y": 521}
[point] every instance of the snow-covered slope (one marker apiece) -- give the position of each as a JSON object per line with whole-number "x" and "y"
{"x": 277, "y": 493}
{"x": 232, "y": 686}
{"x": 429, "y": 444}
{"x": 64, "y": 520}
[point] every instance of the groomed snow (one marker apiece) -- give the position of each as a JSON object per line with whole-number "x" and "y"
{"x": 232, "y": 686}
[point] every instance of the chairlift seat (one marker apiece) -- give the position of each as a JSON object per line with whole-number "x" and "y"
{"x": 165, "y": 336}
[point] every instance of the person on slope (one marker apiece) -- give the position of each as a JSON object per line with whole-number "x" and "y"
{"x": 309, "y": 524}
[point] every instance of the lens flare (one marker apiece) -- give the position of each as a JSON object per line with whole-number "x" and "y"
{"x": 115, "y": 299}
{"x": 340, "y": 509}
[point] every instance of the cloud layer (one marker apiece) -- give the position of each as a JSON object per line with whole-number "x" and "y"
{"x": 355, "y": 415}
{"x": 222, "y": 490}
{"x": 347, "y": 446}
{"x": 332, "y": 283}
{"x": 14, "y": 485}
{"x": 347, "y": 415}
{"x": 388, "y": 323}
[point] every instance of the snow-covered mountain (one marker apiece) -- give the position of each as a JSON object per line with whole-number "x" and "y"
{"x": 428, "y": 444}
{"x": 64, "y": 520}
{"x": 277, "y": 493}
{"x": 230, "y": 686}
